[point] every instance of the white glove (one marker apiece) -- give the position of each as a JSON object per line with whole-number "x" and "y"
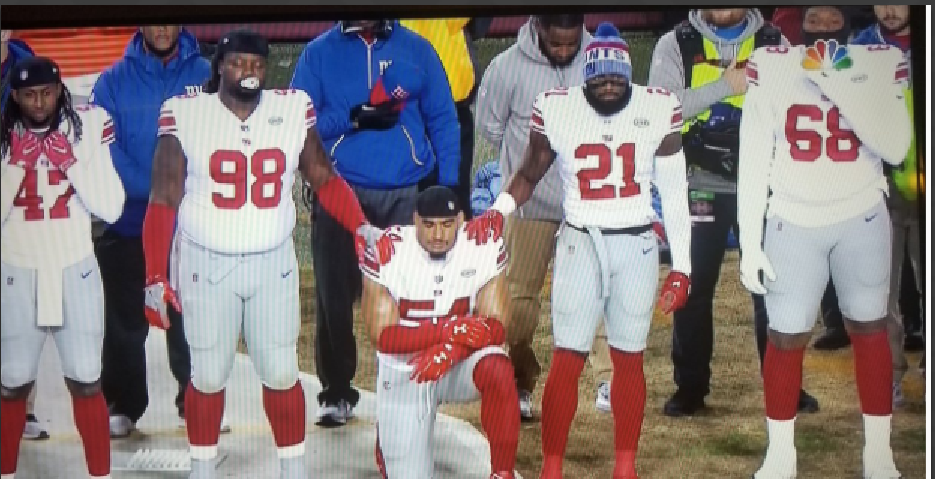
{"x": 751, "y": 263}
{"x": 369, "y": 234}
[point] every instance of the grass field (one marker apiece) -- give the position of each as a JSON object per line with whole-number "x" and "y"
{"x": 728, "y": 440}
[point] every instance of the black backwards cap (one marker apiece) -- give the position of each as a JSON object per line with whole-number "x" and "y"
{"x": 437, "y": 202}
{"x": 34, "y": 71}
{"x": 242, "y": 41}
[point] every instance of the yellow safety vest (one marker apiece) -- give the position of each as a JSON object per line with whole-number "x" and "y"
{"x": 447, "y": 36}
{"x": 705, "y": 72}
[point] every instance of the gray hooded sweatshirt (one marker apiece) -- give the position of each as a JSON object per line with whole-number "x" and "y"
{"x": 667, "y": 71}
{"x": 504, "y": 105}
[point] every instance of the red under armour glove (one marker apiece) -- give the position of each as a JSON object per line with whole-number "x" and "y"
{"x": 25, "y": 150}
{"x": 158, "y": 294}
{"x": 486, "y": 227}
{"x": 58, "y": 150}
{"x": 369, "y": 237}
{"x": 435, "y": 361}
{"x": 674, "y": 292}
{"x": 474, "y": 332}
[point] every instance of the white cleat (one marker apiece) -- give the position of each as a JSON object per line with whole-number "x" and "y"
{"x": 121, "y": 426}
{"x": 778, "y": 465}
{"x": 602, "y": 403}
{"x": 525, "y": 406}
{"x": 879, "y": 464}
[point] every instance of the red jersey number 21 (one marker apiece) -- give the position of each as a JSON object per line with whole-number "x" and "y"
{"x": 605, "y": 157}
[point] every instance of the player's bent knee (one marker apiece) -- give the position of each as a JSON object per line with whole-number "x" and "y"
{"x": 15, "y": 376}
{"x": 83, "y": 389}
{"x": 84, "y": 371}
{"x": 495, "y": 370}
{"x": 278, "y": 372}
{"x": 15, "y": 393}
{"x": 208, "y": 383}
{"x": 864, "y": 310}
{"x": 865, "y": 327}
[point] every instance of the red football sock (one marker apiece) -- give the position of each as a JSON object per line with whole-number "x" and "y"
{"x": 499, "y": 416}
{"x": 92, "y": 421}
{"x": 782, "y": 381}
{"x": 286, "y": 413}
{"x": 873, "y": 365}
{"x": 559, "y": 404}
{"x": 12, "y": 424}
{"x": 628, "y": 402}
{"x": 203, "y": 413}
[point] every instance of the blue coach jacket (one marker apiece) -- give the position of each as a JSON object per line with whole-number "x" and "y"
{"x": 338, "y": 70}
{"x": 132, "y": 91}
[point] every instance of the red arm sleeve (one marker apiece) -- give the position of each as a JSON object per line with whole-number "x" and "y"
{"x": 340, "y": 202}
{"x": 398, "y": 339}
{"x": 158, "y": 228}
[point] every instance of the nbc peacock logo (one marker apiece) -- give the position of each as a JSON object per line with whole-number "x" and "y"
{"x": 826, "y": 55}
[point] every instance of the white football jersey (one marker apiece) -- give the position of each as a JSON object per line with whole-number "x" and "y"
{"x": 434, "y": 290}
{"x": 238, "y": 186}
{"x": 47, "y": 214}
{"x": 821, "y": 172}
{"x": 607, "y": 163}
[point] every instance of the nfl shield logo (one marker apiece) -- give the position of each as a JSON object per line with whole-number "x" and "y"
{"x": 194, "y": 277}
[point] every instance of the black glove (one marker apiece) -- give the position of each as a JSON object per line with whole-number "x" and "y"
{"x": 374, "y": 117}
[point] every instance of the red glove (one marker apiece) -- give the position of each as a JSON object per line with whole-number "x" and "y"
{"x": 674, "y": 292}
{"x": 58, "y": 150}
{"x": 435, "y": 361}
{"x": 158, "y": 293}
{"x": 474, "y": 332}
{"x": 25, "y": 150}
{"x": 486, "y": 227}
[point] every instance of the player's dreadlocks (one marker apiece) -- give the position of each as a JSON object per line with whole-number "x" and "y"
{"x": 13, "y": 115}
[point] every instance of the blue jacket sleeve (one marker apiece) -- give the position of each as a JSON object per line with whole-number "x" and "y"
{"x": 441, "y": 119}
{"x": 332, "y": 121}
{"x": 136, "y": 175}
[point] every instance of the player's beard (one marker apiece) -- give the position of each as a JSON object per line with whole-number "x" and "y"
{"x": 604, "y": 107}
{"x": 161, "y": 53}
{"x": 892, "y": 32}
{"x": 245, "y": 94}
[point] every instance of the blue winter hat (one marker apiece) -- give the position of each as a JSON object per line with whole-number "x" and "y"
{"x": 607, "y": 54}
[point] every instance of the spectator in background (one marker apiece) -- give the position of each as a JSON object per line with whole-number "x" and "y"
{"x": 702, "y": 61}
{"x": 789, "y": 21}
{"x": 160, "y": 62}
{"x": 548, "y": 53}
{"x": 387, "y": 117}
{"x": 892, "y": 28}
{"x": 81, "y": 53}
{"x": 453, "y": 40}
{"x": 11, "y": 51}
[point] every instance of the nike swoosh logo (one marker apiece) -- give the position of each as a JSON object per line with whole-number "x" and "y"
{"x": 286, "y": 274}
{"x": 870, "y": 218}
{"x": 646, "y": 251}
{"x": 85, "y": 275}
